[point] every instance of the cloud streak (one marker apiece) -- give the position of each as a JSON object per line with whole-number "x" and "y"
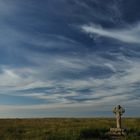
{"x": 126, "y": 35}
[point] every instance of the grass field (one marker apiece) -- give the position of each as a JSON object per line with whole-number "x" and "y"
{"x": 65, "y": 128}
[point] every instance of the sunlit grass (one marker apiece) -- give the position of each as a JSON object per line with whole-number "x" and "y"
{"x": 64, "y": 128}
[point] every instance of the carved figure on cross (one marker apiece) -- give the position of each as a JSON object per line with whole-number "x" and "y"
{"x": 118, "y": 110}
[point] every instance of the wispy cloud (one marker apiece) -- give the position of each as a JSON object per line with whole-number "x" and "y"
{"x": 128, "y": 34}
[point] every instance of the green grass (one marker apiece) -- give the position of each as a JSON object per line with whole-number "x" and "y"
{"x": 65, "y": 129}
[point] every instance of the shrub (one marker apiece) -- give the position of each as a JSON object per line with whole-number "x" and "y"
{"x": 93, "y": 133}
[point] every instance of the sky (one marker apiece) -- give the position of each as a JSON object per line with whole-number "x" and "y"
{"x": 69, "y": 58}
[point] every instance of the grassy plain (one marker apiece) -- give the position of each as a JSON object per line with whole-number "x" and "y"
{"x": 65, "y": 128}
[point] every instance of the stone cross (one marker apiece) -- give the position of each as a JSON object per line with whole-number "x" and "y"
{"x": 118, "y": 110}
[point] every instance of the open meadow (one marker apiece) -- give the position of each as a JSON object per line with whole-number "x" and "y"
{"x": 65, "y": 128}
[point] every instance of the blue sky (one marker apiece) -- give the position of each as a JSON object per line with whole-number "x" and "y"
{"x": 69, "y": 58}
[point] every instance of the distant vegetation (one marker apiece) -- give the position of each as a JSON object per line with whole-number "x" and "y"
{"x": 65, "y": 129}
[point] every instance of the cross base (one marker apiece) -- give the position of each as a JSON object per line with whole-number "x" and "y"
{"x": 117, "y": 132}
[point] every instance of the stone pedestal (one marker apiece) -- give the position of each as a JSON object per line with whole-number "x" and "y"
{"x": 117, "y": 132}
